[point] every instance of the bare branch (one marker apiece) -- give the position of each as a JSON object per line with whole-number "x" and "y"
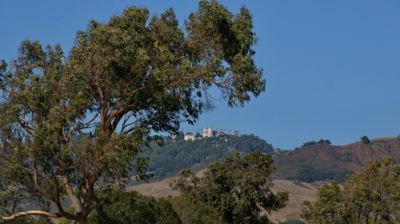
{"x": 29, "y": 213}
{"x": 89, "y": 123}
{"x": 126, "y": 119}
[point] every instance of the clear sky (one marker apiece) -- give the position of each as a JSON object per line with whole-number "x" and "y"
{"x": 332, "y": 67}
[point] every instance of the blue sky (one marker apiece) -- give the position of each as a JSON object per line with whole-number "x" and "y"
{"x": 332, "y": 67}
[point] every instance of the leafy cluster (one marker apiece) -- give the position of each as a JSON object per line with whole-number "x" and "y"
{"x": 192, "y": 211}
{"x": 238, "y": 188}
{"x": 321, "y": 141}
{"x": 120, "y": 207}
{"x": 365, "y": 140}
{"x": 369, "y": 196}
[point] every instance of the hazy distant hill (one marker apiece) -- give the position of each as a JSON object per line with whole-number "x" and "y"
{"x": 321, "y": 161}
{"x": 314, "y": 161}
{"x": 173, "y": 156}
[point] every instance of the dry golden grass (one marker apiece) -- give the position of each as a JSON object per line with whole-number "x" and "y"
{"x": 298, "y": 192}
{"x": 156, "y": 189}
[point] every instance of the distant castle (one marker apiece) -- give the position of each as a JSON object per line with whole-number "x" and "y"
{"x": 208, "y": 132}
{"x": 189, "y": 136}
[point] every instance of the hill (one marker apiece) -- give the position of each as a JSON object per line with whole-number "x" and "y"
{"x": 322, "y": 161}
{"x": 313, "y": 161}
{"x": 171, "y": 157}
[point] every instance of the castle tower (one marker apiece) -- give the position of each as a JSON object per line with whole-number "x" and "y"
{"x": 208, "y": 132}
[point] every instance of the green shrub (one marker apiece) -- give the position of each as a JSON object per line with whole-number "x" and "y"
{"x": 121, "y": 207}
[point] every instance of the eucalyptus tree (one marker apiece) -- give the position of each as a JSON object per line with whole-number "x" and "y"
{"x": 238, "y": 188}
{"x": 73, "y": 125}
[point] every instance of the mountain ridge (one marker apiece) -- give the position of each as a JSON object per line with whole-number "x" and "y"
{"x": 313, "y": 161}
{"x": 338, "y": 160}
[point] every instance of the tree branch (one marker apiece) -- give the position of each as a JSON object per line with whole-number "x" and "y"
{"x": 57, "y": 201}
{"x": 29, "y": 213}
{"x": 71, "y": 194}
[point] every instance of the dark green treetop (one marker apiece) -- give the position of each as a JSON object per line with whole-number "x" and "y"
{"x": 238, "y": 187}
{"x": 364, "y": 139}
{"x": 120, "y": 207}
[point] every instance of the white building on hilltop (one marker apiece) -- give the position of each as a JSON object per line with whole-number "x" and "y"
{"x": 208, "y": 132}
{"x": 221, "y": 133}
{"x": 189, "y": 136}
{"x": 236, "y": 133}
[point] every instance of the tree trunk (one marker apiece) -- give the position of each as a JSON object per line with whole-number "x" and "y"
{"x": 82, "y": 221}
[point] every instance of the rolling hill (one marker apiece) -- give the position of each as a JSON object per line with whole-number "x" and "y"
{"x": 173, "y": 156}
{"x": 314, "y": 161}
{"x": 322, "y": 161}
{"x": 297, "y": 170}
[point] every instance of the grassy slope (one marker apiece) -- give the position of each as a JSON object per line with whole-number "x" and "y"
{"x": 324, "y": 161}
{"x": 298, "y": 192}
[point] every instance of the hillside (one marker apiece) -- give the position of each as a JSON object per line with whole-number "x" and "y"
{"x": 321, "y": 161}
{"x": 173, "y": 156}
{"x": 314, "y": 161}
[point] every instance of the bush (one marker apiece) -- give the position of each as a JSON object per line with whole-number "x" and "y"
{"x": 321, "y": 141}
{"x": 365, "y": 140}
{"x": 121, "y": 207}
{"x": 194, "y": 211}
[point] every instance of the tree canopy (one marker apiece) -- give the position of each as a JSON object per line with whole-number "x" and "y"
{"x": 364, "y": 139}
{"x": 371, "y": 195}
{"x": 119, "y": 207}
{"x": 74, "y": 125}
{"x": 238, "y": 188}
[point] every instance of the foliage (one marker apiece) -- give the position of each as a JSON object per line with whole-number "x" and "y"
{"x": 321, "y": 141}
{"x": 173, "y": 156}
{"x": 249, "y": 143}
{"x": 192, "y": 211}
{"x": 307, "y": 173}
{"x": 120, "y": 207}
{"x": 10, "y": 201}
{"x": 238, "y": 188}
{"x": 364, "y": 139}
{"x": 369, "y": 196}
{"x": 73, "y": 126}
